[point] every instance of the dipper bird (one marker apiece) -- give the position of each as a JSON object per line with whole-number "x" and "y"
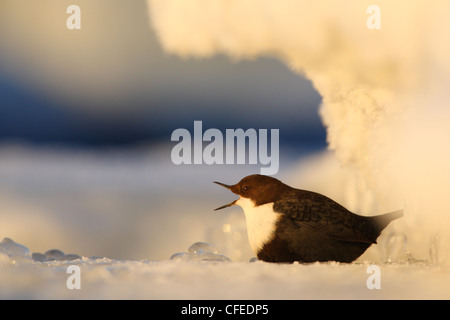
{"x": 285, "y": 224}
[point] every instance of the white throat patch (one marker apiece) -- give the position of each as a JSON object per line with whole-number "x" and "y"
{"x": 261, "y": 222}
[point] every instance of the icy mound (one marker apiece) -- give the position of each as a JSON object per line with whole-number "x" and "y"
{"x": 199, "y": 251}
{"x": 15, "y": 251}
{"x": 54, "y": 254}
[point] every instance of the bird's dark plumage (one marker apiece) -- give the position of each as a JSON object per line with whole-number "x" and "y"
{"x": 311, "y": 227}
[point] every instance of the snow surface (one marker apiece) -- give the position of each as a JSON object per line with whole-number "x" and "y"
{"x": 116, "y": 211}
{"x": 104, "y": 278}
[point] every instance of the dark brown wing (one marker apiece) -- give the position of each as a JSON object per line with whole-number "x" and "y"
{"x": 318, "y": 213}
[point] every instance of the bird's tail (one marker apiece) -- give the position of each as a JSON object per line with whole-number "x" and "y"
{"x": 383, "y": 220}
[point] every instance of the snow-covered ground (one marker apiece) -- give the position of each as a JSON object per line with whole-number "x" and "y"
{"x": 132, "y": 216}
{"x": 167, "y": 279}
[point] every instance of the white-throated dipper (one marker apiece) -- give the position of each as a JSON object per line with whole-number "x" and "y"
{"x": 285, "y": 224}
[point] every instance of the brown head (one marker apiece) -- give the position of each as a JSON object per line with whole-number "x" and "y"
{"x": 258, "y": 188}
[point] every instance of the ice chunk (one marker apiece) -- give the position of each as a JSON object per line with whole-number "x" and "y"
{"x": 70, "y": 257}
{"x": 36, "y": 256}
{"x": 202, "y": 248}
{"x": 199, "y": 251}
{"x": 14, "y": 249}
{"x": 54, "y": 254}
{"x": 96, "y": 257}
{"x": 212, "y": 257}
{"x": 181, "y": 256}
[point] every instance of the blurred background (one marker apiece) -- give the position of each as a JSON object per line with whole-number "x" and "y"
{"x": 110, "y": 83}
{"x": 86, "y": 118}
{"x": 85, "y": 123}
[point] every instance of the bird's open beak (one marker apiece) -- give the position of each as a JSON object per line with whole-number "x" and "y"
{"x": 229, "y": 204}
{"x": 223, "y": 185}
{"x": 226, "y": 206}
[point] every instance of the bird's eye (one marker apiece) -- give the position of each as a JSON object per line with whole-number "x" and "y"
{"x": 245, "y": 189}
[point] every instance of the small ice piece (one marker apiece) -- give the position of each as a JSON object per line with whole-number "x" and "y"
{"x": 70, "y": 257}
{"x": 199, "y": 251}
{"x": 202, "y": 248}
{"x": 54, "y": 254}
{"x": 36, "y": 256}
{"x": 96, "y": 257}
{"x": 181, "y": 256}
{"x": 212, "y": 257}
{"x": 14, "y": 249}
